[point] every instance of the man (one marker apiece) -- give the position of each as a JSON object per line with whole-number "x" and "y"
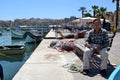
{"x": 97, "y": 40}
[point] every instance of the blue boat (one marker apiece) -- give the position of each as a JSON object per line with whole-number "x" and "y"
{"x": 115, "y": 74}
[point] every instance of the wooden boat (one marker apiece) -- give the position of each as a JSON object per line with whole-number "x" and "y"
{"x": 33, "y": 37}
{"x": 17, "y": 34}
{"x": 12, "y": 49}
{"x": 80, "y": 34}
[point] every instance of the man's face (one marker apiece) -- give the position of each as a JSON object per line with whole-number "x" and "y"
{"x": 97, "y": 25}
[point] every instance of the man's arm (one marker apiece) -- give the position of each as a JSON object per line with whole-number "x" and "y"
{"x": 87, "y": 41}
{"x": 105, "y": 40}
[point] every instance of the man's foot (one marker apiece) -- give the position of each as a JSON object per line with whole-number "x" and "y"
{"x": 103, "y": 72}
{"x": 85, "y": 71}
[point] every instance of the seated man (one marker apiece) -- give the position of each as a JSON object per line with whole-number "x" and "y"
{"x": 97, "y": 40}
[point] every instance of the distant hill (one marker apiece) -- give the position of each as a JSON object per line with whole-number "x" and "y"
{"x": 29, "y": 22}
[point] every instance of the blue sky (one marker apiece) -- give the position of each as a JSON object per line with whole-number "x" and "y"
{"x": 54, "y": 9}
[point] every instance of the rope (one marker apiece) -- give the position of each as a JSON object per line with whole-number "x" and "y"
{"x": 73, "y": 68}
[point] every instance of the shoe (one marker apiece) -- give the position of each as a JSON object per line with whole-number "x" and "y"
{"x": 103, "y": 72}
{"x": 85, "y": 71}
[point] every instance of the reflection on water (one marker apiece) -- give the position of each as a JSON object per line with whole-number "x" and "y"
{"x": 5, "y": 38}
{"x": 11, "y": 58}
{"x": 12, "y": 63}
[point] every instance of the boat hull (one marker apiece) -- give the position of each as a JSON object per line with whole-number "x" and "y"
{"x": 32, "y": 37}
{"x": 115, "y": 75}
{"x": 14, "y": 49}
{"x": 17, "y": 34}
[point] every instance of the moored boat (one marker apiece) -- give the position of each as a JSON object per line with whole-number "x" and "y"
{"x": 17, "y": 34}
{"x": 33, "y": 37}
{"x": 115, "y": 75}
{"x": 12, "y": 49}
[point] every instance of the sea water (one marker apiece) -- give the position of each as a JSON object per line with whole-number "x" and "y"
{"x": 12, "y": 63}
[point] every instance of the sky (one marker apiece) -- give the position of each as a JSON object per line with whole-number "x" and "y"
{"x": 53, "y": 9}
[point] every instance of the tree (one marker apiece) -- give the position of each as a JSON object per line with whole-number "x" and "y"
{"x": 102, "y": 11}
{"x": 87, "y": 14}
{"x": 117, "y": 8}
{"x": 72, "y": 18}
{"x": 98, "y": 13}
{"x": 66, "y": 20}
{"x": 83, "y": 9}
{"x": 113, "y": 0}
{"x": 94, "y": 7}
{"x": 108, "y": 14}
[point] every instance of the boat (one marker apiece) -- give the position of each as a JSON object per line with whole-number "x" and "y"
{"x": 29, "y": 36}
{"x": 115, "y": 75}
{"x": 12, "y": 49}
{"x": 17, "y": 34}
{"x": 80, "y": 34}
{"x": 33, "y": 37}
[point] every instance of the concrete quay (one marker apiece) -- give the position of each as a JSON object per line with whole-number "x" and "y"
{"x": 47, "y": 64}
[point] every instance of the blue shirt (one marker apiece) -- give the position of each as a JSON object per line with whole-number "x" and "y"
{"x": 100, "y": 39}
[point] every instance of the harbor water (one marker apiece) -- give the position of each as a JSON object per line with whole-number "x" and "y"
{"x": 12, "y": 63}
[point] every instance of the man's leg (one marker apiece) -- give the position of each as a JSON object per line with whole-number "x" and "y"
{"x": 86, "y": 57}
{"x": 104, "y": 59}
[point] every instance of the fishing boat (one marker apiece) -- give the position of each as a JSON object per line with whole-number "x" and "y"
{"x": 80, "y": 34}
{"x": 12, "y": 49}
{"x": 17, "y": 34}
{"x": 33, "y": 37}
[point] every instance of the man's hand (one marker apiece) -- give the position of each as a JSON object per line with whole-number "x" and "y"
{"x": 97, "y": 48}
{"x": 88, "y": 45}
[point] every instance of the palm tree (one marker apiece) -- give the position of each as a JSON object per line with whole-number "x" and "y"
{"x": 98, "y": 13}
{"x": 102, "y": 11}
{"x": 94, "y": 9}
{"x": 117, "y": 7}
{"x": 113, "y": 0}
{"x": 108, "y": 14}
{"x": 83, "y": 9}
{"x": 87, "y": 14}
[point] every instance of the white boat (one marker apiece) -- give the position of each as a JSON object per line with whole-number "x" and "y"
{"x": 17, "y": 34}
{"x": 12, "y": 49}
